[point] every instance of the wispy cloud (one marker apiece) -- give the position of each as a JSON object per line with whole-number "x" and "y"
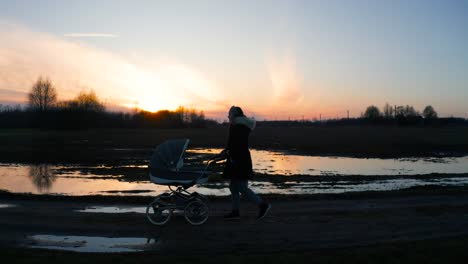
{"x": 285, "y": 80}
{"x": 8, "y": 96}
{"x": 288, "y": 92}
{"x": 90, "y": 35}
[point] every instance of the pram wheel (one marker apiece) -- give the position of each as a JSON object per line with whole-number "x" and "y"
{"x": 196, "y": 212}
{"x": 158, "y": 213}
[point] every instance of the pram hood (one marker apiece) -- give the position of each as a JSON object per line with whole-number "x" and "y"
{"x": 168, "y": 156}
{"x": 167, "y": 162}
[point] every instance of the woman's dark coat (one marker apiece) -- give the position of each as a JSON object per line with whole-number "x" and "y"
{"x": 239, "y": 161}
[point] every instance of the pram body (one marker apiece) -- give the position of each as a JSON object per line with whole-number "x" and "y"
{"x": 166, "y": 168}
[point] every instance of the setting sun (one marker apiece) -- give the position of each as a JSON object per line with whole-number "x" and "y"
{"x": 167, "y": 87}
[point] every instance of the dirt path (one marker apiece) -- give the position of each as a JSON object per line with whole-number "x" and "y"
{"x": 292, "y": 225}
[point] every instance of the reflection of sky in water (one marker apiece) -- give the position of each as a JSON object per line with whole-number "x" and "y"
{"x": 6, "y": 205}
{"x": 92, "y": 244}
{"x": 113, "y": 210}
{"x": 86, "y": 180}
{"x": 16, "y": 178}
{"x": 348, "y": 186}
{"x": 271, "y": 162}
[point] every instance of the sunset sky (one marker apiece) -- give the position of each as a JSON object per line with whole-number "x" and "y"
{"x": 276, "y": 59}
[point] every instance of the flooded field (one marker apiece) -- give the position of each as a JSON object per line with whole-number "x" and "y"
{"x": 278, "y": 175}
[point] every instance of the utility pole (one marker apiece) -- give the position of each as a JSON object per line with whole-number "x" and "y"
{"x": 348, "y": 113}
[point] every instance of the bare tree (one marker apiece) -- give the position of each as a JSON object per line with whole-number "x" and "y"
{"x": 43, "y": 95}
{"x": 388, "y": 111}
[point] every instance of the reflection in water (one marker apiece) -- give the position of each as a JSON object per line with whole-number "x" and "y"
{"x": 280, "y": 163}
{"x": 42, "y": 177}
{"x": 132, "y": 180}
{"x": 7, "y": 205}
{"x": 113, "y": 210}
{"x": 93, "y": 244}
{"x": 53, "y": 180}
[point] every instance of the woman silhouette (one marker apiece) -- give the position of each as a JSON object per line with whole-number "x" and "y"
{"x": 239, "y": 163}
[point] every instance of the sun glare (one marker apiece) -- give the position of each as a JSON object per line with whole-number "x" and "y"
{"x": 148, "y": 90}
{"x": 167, "y": 87}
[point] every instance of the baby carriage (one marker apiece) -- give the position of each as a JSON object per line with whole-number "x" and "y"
{"x": 166, "y": 168}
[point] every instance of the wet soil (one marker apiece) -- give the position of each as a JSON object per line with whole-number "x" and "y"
{"x": 293, "y": 224}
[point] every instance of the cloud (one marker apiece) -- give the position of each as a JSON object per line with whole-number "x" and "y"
{"x": 12, "y": 98}
{"x": 8, "y": 96}
{"x": 287, "y": 87}
{"x": 118, "y": 80}
{"x": 285, "y": 80}
{"x": 90, "y": 35}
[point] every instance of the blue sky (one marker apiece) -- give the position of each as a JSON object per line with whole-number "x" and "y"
{"x": 276, "y": 58}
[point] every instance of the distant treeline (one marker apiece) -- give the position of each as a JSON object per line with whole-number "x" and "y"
{"x": 444, "y": 121}
{"x": 390, "y": 116}
{"x": 66, "y": 118}
{"x": 73, "y": 117}
{"x": 87, "y": 111}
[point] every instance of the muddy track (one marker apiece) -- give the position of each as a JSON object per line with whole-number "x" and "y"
{"x": 292, "y": 225}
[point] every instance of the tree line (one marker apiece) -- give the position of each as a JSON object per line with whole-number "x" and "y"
{"x": 400, "y": 114}
{"x": 397, "y": 115}
{"x": 86, "y": 110}
{"x": 389, "y": 112}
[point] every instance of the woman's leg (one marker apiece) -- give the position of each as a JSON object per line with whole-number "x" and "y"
{"x": 245, "y": 190}
{"x": 263, "y": 207}
{"x": 241, "y": 186}
{"x": 235, "y": 197}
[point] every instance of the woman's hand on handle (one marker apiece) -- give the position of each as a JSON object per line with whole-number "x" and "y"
{"x": 222, "y": 155}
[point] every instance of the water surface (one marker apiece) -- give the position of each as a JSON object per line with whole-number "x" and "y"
{"x": 113, "y": 210}
{"x": 132, "y": 179}
{"x": 2, "y": 205}
{"x": 91, "y": 244}
{"x": 280, "y": 163}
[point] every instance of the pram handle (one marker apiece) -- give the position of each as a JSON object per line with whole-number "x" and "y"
{"x": 210, "y": 161}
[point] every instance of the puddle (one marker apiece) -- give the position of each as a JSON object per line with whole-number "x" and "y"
{"x": 279, "y": 163}
{"x": 16, "y": 179}
{"x": 132, "y": 179}
{"x": 91, "y": 244}
{"x": 7, "y": 205}
{"x": 49, "y": 179}
{"x": 335, "y": 187}
{"x": 121, "y": 210}
{"x": 113, "y": 210}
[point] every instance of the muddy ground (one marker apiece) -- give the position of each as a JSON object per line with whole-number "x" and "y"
{"x": 293, "y": 225}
